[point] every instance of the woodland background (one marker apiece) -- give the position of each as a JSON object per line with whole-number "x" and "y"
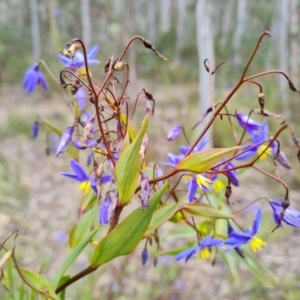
{"x": 34, "y": 197}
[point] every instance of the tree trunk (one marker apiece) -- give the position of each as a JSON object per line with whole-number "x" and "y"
{"x": 227, "y": 23}
{"x": 240, "y": 30}
{"x": 283, "y": 8}
{"x": 86, "y": 22}
{"x": 165, "y": 13}
{"x": 205, "y": 51}
{"x": 35, "y": 30}
{"x": 180, "y": 29}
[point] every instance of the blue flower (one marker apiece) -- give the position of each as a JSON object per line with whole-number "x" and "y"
{"x": 291, "y": 215}
{"x": 257, "y": 137}
{"x": 236, "y": 239}
{"x": 249, "y": 126}
{"x": 144, "y": 256}
{"x": 78, "y": 61}
{"x": 203, "y": 248}
{"x": 81, "y": 176}
{"x": 33, "y": 77}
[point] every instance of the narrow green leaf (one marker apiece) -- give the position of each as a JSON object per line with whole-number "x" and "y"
{"x": 39, "y": 284}
{"x": 125, "y": 237}
{"x": 128, "y": 167}
{"x": 175, "y": 251}
{"x": 72, "y": 257}
{"x": 204, "y": 160}
{"x": 81, "y": 228}
{"x": 62, "y": 294}
{"x": 206, "y": 211}
{"x": 162, "y": 215}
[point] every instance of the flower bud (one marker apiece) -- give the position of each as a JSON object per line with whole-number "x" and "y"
{"x": 261, "y": 100}
{"x": 144, "y": 256}
{"x": 35, "y": 129}
{"x": 5, "y": 258}
{"x": 145, "y": 190}
{"x": 159, "y": 173}
{"x": 64, "y": 141}
{"x": 119, "y": 66}
{"x": 174, "y": 133}
{"x": 104, "y": 217}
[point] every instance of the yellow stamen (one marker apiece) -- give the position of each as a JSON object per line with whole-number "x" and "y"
{"x": 86, "y": 187}
{"x": 261, "y": 149}
{"x": 202, "y": 181}
{"x": 218, "y": 185}
{"x": 256, "y": 244}
{"x": 204, "y": 254}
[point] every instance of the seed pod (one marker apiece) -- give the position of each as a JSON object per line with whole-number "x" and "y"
{"x": 119, "y": 66}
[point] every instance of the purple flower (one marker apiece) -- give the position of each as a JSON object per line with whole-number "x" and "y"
{"x": 33, "y": 77}
{"x": 78, "y": 60}
{"x": 64, "y": 141}
{"x": 35, "y": 129}
{"x": 249, "y": 126}
{"x": 174, "y": 133}
{"x": 232, "y": 174}
{"x": 291, "y": 215}
{"x": 203, "y": 246}
{"x": 236, "y": 239}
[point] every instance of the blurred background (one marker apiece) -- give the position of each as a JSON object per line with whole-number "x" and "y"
{"x": 34, "y": 197}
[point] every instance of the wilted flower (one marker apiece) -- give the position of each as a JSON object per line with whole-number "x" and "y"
{"x": 145, "y": 190}
{"x": 174, "y": 133}
{"x": 33, "y": 77}
{"x": 202, "y": 249}
{"x": 64, "y": 141}
{"x": 281, "y": 158}
{"x": 291, "y": 215}
{"x": 236, "y": 239}
{"x": 78, "y": 61}
{"x": 35, "y": 129}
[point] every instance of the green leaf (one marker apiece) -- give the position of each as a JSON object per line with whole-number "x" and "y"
{"x": 163, "y": 214}
{"x": 81, "y": 228}
{"x": 206, "y": 211}
{"x": 257, "y": 268}
{"x": 204, "y": 160}
{"x": 72, "y": 257}
{"x": 39, "y": 283}
{"x": 128, "y": 167}
{"x": 125, "y": 237}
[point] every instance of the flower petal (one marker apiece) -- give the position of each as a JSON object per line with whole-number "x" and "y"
{"x": 79, "y": 170}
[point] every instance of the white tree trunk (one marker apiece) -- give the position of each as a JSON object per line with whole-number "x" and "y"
{"x": 86, "y": 22}
{"x": 227, "y": 23}
{"x": 294, "y": 42}
{"x": 283, "y": 9}
{"x": 165, "y": 13}
{"x": 205, "y": 46}
{"x": 240, "y": 30}
{"x": 35, "y": 30}
{"x": 180, "y": 29}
